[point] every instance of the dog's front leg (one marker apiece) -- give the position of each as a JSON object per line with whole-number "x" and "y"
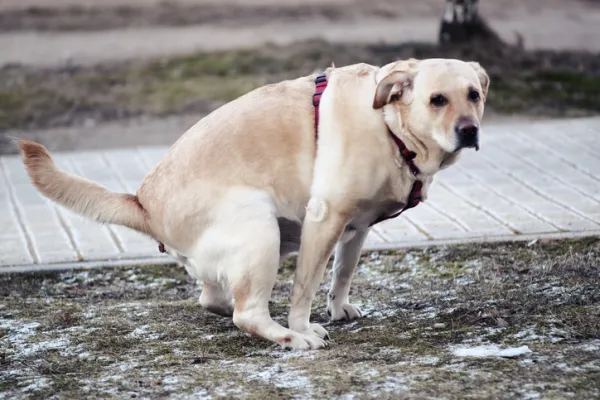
{"x": 347, "y": 254}
{"x": 321, "y": 230}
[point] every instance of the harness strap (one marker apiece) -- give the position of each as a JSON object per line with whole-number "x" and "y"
{"x": 321, "y": 84}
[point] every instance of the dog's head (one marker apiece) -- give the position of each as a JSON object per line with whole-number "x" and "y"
{"x": 440, "y": 101}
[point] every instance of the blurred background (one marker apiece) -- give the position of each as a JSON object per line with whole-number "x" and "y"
{"x": 88, "y": 74}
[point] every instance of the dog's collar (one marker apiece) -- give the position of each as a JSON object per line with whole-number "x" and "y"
{"x": 415, "y": 195}
{"x": 406, "y": 154}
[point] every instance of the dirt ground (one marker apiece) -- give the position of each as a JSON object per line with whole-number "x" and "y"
{"x": 433, "y": 320}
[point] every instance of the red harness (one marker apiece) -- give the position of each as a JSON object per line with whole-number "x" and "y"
{"x": 414, "y": 198}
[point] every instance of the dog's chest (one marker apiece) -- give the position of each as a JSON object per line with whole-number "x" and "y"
{"x": 367, "y": 216}
{"x": 398, "y": 197}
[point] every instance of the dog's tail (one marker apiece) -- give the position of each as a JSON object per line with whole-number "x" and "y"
{"x": 81, "y": 195}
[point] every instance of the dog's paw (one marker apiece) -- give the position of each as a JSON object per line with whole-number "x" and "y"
{"x": 319, "y": 331}
{"x": 300, "y": 341}
{"x": 343, "y": 312}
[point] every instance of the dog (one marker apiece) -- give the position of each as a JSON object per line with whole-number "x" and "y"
{"x": 272, "y": 173}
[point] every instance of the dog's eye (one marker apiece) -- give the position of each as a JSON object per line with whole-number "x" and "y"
{"x": 395, "y": 97}
{"x": 438, "y": 100}
{"x": 474, "y": 96}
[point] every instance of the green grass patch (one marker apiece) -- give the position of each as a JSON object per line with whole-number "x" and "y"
{"x": 539, "y": 83}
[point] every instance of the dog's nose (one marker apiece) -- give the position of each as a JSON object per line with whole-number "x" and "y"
{"x": 468, "y": 135}
{"x": 468, "y": 130}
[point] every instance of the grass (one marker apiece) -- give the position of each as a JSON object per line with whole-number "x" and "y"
{"x": 539, "y": 83}
{"x": 139, "y": 332}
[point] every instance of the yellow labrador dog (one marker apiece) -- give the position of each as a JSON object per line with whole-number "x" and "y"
{"x": 252, "y": 182}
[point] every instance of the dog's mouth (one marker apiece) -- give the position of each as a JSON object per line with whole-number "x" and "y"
{"x": 468, "y": 144}
{"x": 475, "y": 146}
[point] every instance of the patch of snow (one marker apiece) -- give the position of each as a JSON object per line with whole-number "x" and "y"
{"x": 291, "y": 354}
{"x": 143, "y": 332}
{"x": 428, "y": 313}
{"x": 18, "y": 331}
{"x": 198, "y": 393}
{"x": 70, "y": 351}
{"x": 454, "y": 367}
{"x": 136, "y": 308}
{"x": 371, "y": 328}
{"x": 178, "y": 352}
{"x": 568, "y": 368}
{"x": 527, "y": 335}
{"x": 74, "y": 329}
{"x": 464, "y": 280}
{"x": 375, "y": 311}
{"x": 592, "y": 365}
{"x": 37, "y": 385}
{"x": 392, "y": 383}
{"x": 553, "y": 335}
{"x": 18, "y": 335}
{"x": 531, "y": 395}
{"x": 592, "y": 346}
{"x": 126, "y": 366}
{"x": 385, "y": 283}
{"x": 490, "y": 351}
{"x": 274, "y": 375}
{"x": 390, "y": 350}
{"x": 170, "y": 380}
{"x": 371, "y": 373}
{"x": 427, "y": 360}
{"x": 227, "y": 391}
{"x": 170, "y": 383}
{"x": 557, "y": 334}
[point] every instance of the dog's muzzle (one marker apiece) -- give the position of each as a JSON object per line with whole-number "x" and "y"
{"x": 467, "y": 134}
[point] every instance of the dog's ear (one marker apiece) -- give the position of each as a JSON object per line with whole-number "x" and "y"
{"x": 484, "y": 79}
{"x": 393, "y": 87}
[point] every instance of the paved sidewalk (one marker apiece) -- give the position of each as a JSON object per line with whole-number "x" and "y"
{"x": 530, "y": 180}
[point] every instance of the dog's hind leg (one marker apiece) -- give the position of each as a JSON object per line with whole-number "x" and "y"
{"x": 252, "y": 283}
{"x": 240, "y": 251}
